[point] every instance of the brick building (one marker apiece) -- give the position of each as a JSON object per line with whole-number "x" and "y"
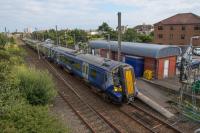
{"x": 160, "y": 59}
{"x": 178, "y": 29}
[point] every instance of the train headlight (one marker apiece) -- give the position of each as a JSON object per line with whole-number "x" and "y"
{"x": 117, "y": 89}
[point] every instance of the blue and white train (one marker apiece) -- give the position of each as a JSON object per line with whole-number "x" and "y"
{"x": 115, "y": 80}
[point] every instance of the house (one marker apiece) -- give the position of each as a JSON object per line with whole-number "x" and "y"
{"x": 160, "y": 59}
{"x": 144, "y": 29}
{"x": 178, "y": 30}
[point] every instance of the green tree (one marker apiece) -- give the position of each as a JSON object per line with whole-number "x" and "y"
{"x": 104, "y": 27}
{"x": 145, "y": 38}
{"x": 130, "y": 35}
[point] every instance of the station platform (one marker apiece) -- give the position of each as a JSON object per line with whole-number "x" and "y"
{"x": 170, "y": 85}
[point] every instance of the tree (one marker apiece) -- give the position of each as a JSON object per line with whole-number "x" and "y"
{"x": 104, "y": 27}
{"x": 130, "y": 35}
{"x": 145, "y": 38}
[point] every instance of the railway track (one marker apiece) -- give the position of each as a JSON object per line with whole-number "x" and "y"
{"x": 96, "y": 120}
{"x": 148, "y": 120}
{"x": 92, "y": 118}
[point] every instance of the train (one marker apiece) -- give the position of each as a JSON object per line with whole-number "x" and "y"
{"x": 114, "y": 80}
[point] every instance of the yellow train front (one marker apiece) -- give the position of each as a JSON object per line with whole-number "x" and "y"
{"x": 124, "y": 84}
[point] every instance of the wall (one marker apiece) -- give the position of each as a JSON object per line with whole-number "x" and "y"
{"x": 150, "y": 64}
{"x": 176, "y": 33}
{"x": 155, "y": 65}
{"x": 171, "y": 70}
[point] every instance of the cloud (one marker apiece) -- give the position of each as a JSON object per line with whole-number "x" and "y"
{"x": 88, "y": 14}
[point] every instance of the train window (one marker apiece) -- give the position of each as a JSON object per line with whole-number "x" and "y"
{"x": 71, "y": 62}
{"x": 106, "y": 65}
{"x": 64, "y": 59}
{"x": 93, "y": 73}
{"x": 77, "y": 66}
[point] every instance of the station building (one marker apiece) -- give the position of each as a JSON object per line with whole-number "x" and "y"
{"x": 160, "y": 59}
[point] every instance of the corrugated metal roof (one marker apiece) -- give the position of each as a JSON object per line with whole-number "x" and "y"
{"x": 138, "y": 49}
{"x": 103, "y": 63}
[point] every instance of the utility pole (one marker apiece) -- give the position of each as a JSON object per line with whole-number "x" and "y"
{"x": 38, "y": 51}
{"x": 109, "y": 45}
{"x": 74, "y": 40}
{"x": 5, "y": 31}
{"x": 56, "y": 35}
{"x": 65, "y": 38}
{"x": 119, "y": 36}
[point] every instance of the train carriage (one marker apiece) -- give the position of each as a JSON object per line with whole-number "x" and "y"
{"x": 114, "y": 79}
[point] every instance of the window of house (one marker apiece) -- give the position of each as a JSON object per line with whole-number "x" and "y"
{"x": 160, "y": 36}
{"x": 171, "y": 28}
{"x": 160, "y": 28}
{"x": 197, "y": 27}
{"x": 183, "y": 27}
{"x": 171, "y": 36}
{"x": 182, "y": 36}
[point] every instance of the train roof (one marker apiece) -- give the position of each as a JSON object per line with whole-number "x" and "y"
{"x": 103, "y": 63}
{"x": 48, "y": 45}
{"x": 64, "y": 50}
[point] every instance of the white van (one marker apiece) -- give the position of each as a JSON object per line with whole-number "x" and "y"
{"x": 196, "y": 51}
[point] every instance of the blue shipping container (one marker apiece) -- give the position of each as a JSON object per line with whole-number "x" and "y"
{"x": 137, "y": 63}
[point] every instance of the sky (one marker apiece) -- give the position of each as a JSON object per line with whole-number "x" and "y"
{"x": 88, "y": 14}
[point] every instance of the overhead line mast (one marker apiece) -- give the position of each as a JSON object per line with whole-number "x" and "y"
{"x": 119, "y": 36}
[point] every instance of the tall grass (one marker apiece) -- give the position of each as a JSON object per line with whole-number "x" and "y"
{"x": 37, "y": 86}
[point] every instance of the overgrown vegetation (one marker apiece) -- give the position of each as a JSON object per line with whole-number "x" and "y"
{"x": 25, "y": 95}
{"x": 36, "y": 86}
{"x": 71, "y": 37}
{"x": 4, "y": 40}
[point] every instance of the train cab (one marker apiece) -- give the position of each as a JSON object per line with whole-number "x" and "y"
{"x": 124, "y": 82}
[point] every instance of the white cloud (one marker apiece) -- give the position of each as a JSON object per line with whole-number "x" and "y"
{"x": 88, "y": 13}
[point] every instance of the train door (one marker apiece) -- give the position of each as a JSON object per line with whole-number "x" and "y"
{"x": 166, "y": 68}
{"x": 85, "y": 70}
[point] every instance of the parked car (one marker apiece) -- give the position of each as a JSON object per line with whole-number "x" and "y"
{"x": 196, "y": 51}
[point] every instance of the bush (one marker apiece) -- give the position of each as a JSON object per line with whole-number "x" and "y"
{"x": 3, "y": 40}
{"x": 4, "y": 55}
{"x": 20, "y": 86}
{"x": 24, "y": 118}
{"x": 37, "y": 86}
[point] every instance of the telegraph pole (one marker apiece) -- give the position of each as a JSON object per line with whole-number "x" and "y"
{"x": 5, "y": 31}
{"x": 109, "y": 44}
{"x": 119, "y": 36}
{"x": 56, "y": 35}
{"x": 65, "y": 39}
{"x": 74, "y": 40}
